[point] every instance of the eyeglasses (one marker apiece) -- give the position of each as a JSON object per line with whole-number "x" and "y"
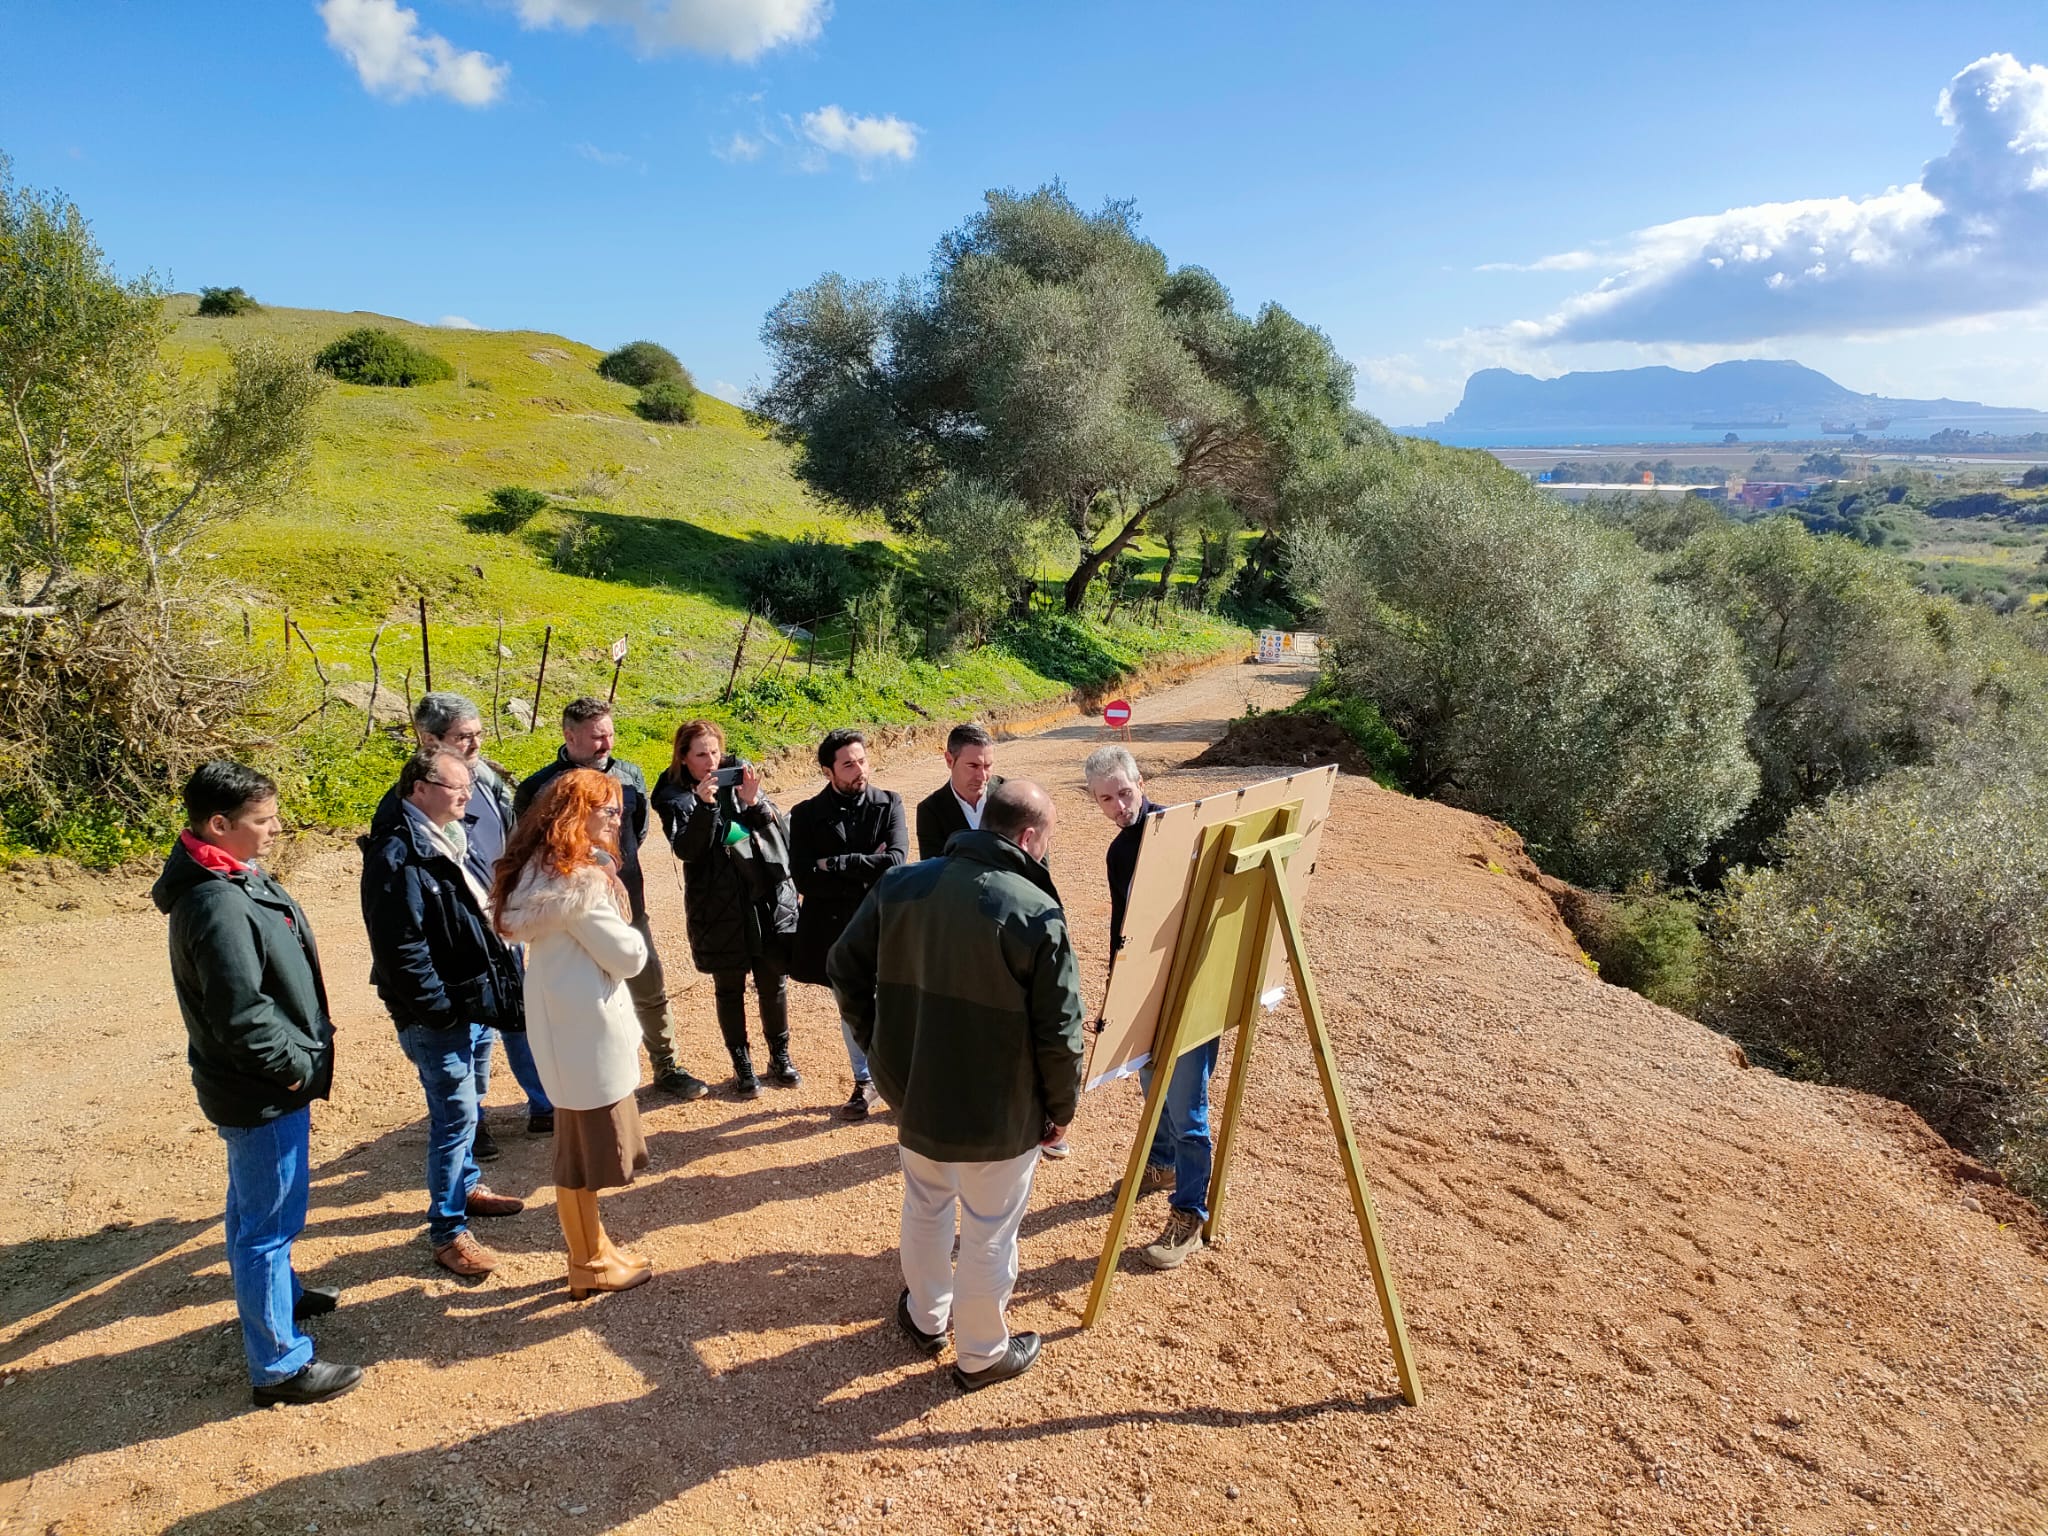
{"x": 610, "y": 813}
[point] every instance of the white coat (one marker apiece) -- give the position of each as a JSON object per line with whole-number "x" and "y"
{"x": 580, "y": 1021}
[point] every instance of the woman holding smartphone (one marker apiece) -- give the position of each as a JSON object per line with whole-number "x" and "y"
{"x": 737, "y": 895}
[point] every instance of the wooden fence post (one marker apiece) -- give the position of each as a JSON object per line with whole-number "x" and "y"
{"x": 546, "y": 640}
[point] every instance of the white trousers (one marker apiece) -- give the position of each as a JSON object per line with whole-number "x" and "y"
{"x": 990, "y": 1200}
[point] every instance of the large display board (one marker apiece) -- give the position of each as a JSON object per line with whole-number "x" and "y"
{"x": 1175, "y": 861}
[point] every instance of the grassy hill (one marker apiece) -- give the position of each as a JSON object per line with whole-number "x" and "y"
{"x": 391, "y": 510}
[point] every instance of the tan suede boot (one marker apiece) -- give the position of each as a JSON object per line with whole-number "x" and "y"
{"x": 608, "y": 1269}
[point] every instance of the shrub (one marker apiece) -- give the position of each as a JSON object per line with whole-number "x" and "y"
{"x": 982, "y": 549}
{"x": 1647, "y": 941}
{"x": 800, "y": 583}
{"x": 585, "y": 549}
{"x": 512, "y": 508}
{"x": 1535, "y": 671}
{"x": 667, "y": 400}
{"x": 1898, "y": 948}
{"x": 641, "y": 363}
{"x": 371, "y": 356}
{"x": 226, "y": 302}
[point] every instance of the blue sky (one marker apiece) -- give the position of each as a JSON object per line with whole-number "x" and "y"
{"x": 670, "y": 168}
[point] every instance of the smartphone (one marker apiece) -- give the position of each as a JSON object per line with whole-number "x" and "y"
{"x": 728, "y": 778}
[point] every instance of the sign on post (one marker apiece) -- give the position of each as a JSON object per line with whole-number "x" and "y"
{"x": 618, "y": 661}
{"x": 1116, "y": 714}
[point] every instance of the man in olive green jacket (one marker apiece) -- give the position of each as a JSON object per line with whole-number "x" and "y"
{"x": 957, "y": 979}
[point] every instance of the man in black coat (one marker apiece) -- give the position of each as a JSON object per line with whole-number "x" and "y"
{"x": 452, "y": 722}
{"x": 587, "y": 737}
{"x": 956, "y": 805}
{"x": 261, "y": 1048}
{"x": 447, "y": 980}
{"x": 841, "y": 841}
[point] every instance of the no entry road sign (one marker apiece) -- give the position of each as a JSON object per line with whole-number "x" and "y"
{"x": 1116, "y": 714}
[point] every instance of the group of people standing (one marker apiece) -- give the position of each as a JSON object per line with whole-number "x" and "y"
{"x": 496, "y": 913}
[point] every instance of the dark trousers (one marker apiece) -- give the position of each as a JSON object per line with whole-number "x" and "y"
{"x": 771, "y": 988}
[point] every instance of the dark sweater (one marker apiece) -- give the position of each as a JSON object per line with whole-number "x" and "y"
{"x": 1123, "y": 864}
{"x": 842, "y": 831}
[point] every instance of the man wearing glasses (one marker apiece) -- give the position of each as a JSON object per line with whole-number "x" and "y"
{"x": 446, "y": 978}
{"x": 452, "y": 722}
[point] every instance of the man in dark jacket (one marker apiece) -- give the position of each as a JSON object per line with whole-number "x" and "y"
{"x": 841, "y": 841}
{"x": 956, "y": 805}
{"x": 587, "y": 737}
{"x": 958, "y": 980}
{"x": 261, "y": 1048}
{"x": 453, "y": 722}
{"x": 1182, "y": 1152}
{"x": 446, "y": 979}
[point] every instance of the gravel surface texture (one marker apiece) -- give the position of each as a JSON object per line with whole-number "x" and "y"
{"x": 1649, "y": 1290}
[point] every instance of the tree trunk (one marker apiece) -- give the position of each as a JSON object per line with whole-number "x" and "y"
{"x": 1076, "y": 591}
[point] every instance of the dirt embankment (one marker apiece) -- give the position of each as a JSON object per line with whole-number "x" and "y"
{"x": 1649, "y": 1290}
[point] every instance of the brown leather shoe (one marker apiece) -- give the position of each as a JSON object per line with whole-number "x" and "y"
{"x": 483, "y": 1203}
{"x": 466, "y": 1257}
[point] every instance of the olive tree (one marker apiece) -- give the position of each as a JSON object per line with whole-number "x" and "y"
{"x": 112, "y": 465}
{"x": 1055, "y": 356}
{"x": 1534, "y": 670}
{"x": 1854, "y": 671}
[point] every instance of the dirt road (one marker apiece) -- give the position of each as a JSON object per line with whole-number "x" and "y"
{"x": 1649, "y": 1290}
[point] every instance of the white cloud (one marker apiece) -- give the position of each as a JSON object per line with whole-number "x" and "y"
{"x": 394, "y": 58}
{"x": 598, "y": 156}
{"x": 457, "y": 323}
{"x": 1966, "y": 239}
{"x": 862, "y": 139}
{"x": 1563, "y": 261}
{"x": 736, "y": 29}
{"x": 739, "y": 148}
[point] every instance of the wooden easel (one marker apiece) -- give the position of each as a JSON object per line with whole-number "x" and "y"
{"x": 1239, "y": 892}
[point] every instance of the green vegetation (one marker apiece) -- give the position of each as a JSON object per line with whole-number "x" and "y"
{"x": 1896, "y": 946}
{"x": 1531, "y": 665}
{"x": 226, "y": 302}
{"x": 512, "y": 508}
{"x": 668, "y": 400}
{"x": 641, "y": 363}
{"x": 368, "y": 355}
{"x": 114, "y": 470}
{"x": 1056, "y": 361}
{"x": 1647, "y": 940}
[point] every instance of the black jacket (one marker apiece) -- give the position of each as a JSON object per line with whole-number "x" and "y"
{"x": 730, "y": 930}
{"x": 844, "y": 831}
{"x": 498, "y": 786}
{"x": 632, "y": 824}
{"x": 939, "y": 816}
{"x": 1123, "y": 864}
{"x": 247, "y": 975}
{"x": 434, "y": 958}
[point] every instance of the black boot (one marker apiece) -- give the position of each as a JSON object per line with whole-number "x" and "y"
{"x": 744, "y": 1084}
{"x": 774, "y": 994}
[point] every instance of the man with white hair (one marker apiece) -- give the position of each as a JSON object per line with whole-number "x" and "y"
{"x": 1181, "y": 1151}
{"x": 451, "y": 722}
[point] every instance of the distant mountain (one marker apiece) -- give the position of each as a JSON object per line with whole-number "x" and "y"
{"x": 1749, "y": 393}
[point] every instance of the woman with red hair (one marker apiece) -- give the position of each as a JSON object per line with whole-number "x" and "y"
{"x": 557, "y": 891}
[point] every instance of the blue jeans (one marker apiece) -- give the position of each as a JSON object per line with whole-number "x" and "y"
{"x": 519, "y": 1057}
{"x": 855, "y": 1056}
{"x": 266, "y": 1210}
{"x": 455, "y": 1068}
{"x": 1182, "y": 1140}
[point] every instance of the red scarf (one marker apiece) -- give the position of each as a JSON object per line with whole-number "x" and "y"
{"x": 219, "y": 860}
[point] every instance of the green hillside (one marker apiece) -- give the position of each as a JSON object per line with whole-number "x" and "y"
{"x": 391, "y": 510}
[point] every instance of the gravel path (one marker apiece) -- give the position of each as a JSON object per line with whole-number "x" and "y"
{"x": 1649, "y": 1289}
